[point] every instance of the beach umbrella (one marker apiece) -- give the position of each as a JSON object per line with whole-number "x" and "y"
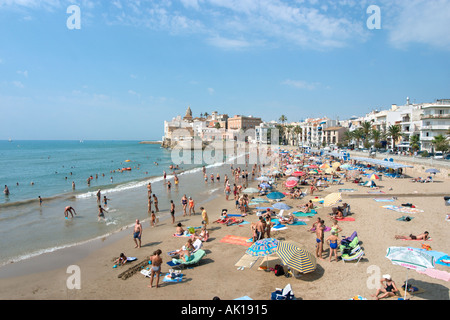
{"x": 262, "y": 248}
{"x": 336, "y": 164}
{"x": 265, "y": 208}
{"x": 251, "y": 190}
{"x": 262, "y": 178}
{"x": 345, "y": 166}
{"x": 288, "y": 172}
{"x": 325, "y": 166}
{"x": 313, "y": 171}
{"x": 329, "y": 170}
{"x": 374, "y": 177}
{"x": 275, "y": 195}
{"x": 292, "y": 179}
{"x": 432, "y": 171}
{"x": 332, "y": 199}
{"x": 410, "y": 258}
{"x": 281, "y": 206}
{"x": 313, "y": 166}
{"x": 291, "y": 183}
{"x": 265, "y": 185}
{"x": 293, "y": 256}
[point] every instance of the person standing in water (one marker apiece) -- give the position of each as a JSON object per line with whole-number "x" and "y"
{"x": 155, "y": 202}
{"x": 68, "y": 210}
{"x": 101, "y": 213}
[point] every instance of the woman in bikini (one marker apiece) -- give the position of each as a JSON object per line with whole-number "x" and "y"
{"x": 156, "y": 267}
{"x": 389, "y": 288}
{"x": 184, "y": 202}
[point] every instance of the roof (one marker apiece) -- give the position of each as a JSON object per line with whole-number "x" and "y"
{"x": 387, "y": 164}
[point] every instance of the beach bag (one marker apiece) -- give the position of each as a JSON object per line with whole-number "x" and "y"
{"x": 279, "y": 270}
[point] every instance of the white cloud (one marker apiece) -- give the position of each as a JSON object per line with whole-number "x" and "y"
{"x": 18, "y": 84}
{"x": 211, "y": 91}
{"x": 300, "y": 84}
{"x": 23, "y": 73}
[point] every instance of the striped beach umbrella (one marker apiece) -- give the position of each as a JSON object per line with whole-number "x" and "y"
{"x": 262, "y": 248}
{"x": 324, "y": 166}
{"x": 374, "y": 177}
{"x": 288, "y": 172}
{"x": 281, "y": 206}
{"x": 293, "y": 178}
{"x": 298, "y": 174}
{"x": 293, "y": 256}
{"x": 332, "y": 199}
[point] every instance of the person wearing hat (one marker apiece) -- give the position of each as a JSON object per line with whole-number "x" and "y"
{"x": 389, "y": 289}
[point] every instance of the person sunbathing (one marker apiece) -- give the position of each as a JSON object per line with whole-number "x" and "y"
{"x": 289, "y": 220}
{"x": 180, "y": 230}
{"x": 203, "y": 235}
{"x": 424, "y": 236}
{"x": 307, "y": 207}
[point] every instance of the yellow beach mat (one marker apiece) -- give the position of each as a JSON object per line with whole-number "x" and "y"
{"x": 246, "y": 261}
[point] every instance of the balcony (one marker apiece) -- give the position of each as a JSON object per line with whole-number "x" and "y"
{"x": 435, "y": 116}
{"x": 435, "y": 127}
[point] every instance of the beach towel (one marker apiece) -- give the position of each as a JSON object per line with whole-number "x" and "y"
{"x": 437, "y": 274}
{"x": 234, "y": 215}
{"x": 243, "y": 223}
{"x": 246, "y": 261}
{"x": 384, "y": 200}
{"x": 445, "y": 261}
{"x": 279, "y": 227}
{"x": 185, "y": 235}
{"x": 345, "y": 219}
{"x": 244, "y": 298}
{"x": 402, "y": 209}
{"x": 296, "y": 222}
{"x": 375, "y": 192}
{"x": 404, "y": 218}
{"x": 347, "y": 190}
{"x": 236, "y": 240}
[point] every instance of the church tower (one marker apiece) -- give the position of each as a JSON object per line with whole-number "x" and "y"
{"x": 188, "y": 116}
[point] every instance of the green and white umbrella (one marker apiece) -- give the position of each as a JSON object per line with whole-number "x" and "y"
{"x": 410, "y": 258}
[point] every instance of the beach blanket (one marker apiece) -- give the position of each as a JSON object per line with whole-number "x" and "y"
{"x": 375, "y": 192}
{"x": 384, "y": 200}
{"x": 402, "y": 209}
{"x": 243, "y": 223}
{"x": 437, "y": 274}
{"x": 246, "y": 261}
{"x": 347, "y": 190}
{"x": 236, "y": 240}
{"x": 278, "y": 227}
{"x": 345, "y": 219}
{"x": 185, "y": 235}
{"x": 296, "y": 222}
{"x": 445, "y": 261}
{"x": 234, "y": 215}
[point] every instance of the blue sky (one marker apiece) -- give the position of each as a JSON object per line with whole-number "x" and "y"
{"x": 134, "y": 64}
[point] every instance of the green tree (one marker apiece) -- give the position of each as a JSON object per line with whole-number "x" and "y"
{"x": 440, "y": 143}
{"x": 414, "y": 142}
{"x": 376, "y": 137}
{"x": 366, "y": 128}
{"x": 358, "y": 135}
{"x": 394, "y": 132}
{"x": 283, "y": 119}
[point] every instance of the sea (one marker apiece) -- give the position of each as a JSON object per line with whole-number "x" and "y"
{"x": 49, "y": 169}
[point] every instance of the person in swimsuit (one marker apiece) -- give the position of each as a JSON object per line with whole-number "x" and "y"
{"x": 180, "y": 230}
{"x": 191, "y": 206}
{"x": 121, "y": 260}
{"x": 101, "y": 213}
{"x": 153, "y": 219}
{"x": 186, "y": 251}
{"x": 389, "y": 288}
{"x": 169, "y": 185}
{"x": 319, "y": 239}
{"x": 333, "y": 242}
{"x": 205, "y": 220}
{"x": 184, "y": 202}
{"x": 70, "y": 210}
{"x": 137, "y": 233}
{"x": 105, "y": 201}
{"x": 155, "y": 202}
{"x": 156, "y": 267}
{"x": 149, "y": 189}
{"x": 172, "y": 210}
{"x": 424, "y": 236}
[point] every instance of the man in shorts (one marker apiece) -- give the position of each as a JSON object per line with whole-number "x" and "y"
{"x": 137, "y": 233}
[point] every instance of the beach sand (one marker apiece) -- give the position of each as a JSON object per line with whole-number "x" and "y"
{"x": 45, "y": 277}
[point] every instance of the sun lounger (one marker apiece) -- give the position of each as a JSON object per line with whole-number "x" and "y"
{"x": 194, "y": 260}
{"x": 283, "y": 294}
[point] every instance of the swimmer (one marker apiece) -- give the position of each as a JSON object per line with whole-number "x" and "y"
{"x": 68, "y": 210}
{"x": 105, "y": 201}
{"x": 101, "y": 213}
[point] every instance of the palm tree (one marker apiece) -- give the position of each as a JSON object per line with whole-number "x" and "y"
{"x": 297, "y": 130}
{"x": 206, "y": 114}
{"x": 376, "y": 136}
{"x": 348, "y": 137}
{"x": 366, "y": 127}
{"x": 414, "y": 142}
{"x": 394, "y": 132}
{"x": 440, "y": 143}
{"x": 358, "y": 135}
{"x": 283, "y": 119}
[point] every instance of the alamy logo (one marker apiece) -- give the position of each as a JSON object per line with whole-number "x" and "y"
{"x": 74, "y": 20}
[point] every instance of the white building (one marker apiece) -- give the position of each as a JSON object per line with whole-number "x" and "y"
{"x": 435, "y": 121}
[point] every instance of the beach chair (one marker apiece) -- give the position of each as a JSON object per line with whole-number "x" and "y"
{"x": 283, "y": 294}
{"x": 351, "y": 251}
{"x": 195, "y": 259}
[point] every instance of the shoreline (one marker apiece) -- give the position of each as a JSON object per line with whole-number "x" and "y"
{"x": 217, "y": 274}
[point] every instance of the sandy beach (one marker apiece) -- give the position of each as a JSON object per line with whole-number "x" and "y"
{"x": 45, "y": 277}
